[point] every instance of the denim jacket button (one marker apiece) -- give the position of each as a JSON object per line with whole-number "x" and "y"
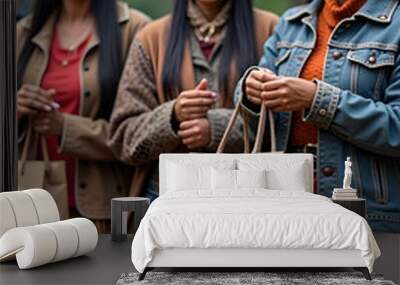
{"x": 337, "y": 55}
{"x": 322, "y": 112}
{"x": 372, "y": 59}
{"x": 383, "y": 17}
{"x": 328, "y": 171}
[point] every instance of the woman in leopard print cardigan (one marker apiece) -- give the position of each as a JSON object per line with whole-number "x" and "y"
{"x": 176, "y": 90}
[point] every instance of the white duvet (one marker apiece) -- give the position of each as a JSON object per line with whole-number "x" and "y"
{"x": 250, "y": 219}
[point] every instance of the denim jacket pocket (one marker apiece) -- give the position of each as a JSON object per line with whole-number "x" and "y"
{"x": 370, "y": 69}
{"x": 380, "y": 184}
{"x": 282, "y": 60}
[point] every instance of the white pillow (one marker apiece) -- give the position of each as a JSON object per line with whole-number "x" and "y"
{"x": 281, "y": 174}
{"x": 293, "y": 180}
{"x": 225, "y": 179}
{"x": 182, "y": 178}
{"x": 187, "y": 174}
{"x": 251, "y": 179}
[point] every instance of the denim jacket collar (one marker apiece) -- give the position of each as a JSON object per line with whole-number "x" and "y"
{"x": 306, "y": 10}
{"x": 375, "y": 10}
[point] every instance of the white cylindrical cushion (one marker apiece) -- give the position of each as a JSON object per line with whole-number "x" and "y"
{"x": 7, "y": 218}
{"x": 45, "y": 205}
{"x": 67, "y": 240}
{"x": 34, "y": 246}
{"x": 87, "y": 234}
{"x": 23, "y": 208}
{"x": 41, "y": 244}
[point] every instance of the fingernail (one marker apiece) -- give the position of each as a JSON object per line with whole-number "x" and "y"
{"x": 47, "y": 108}
{"x": 55, "y": 105}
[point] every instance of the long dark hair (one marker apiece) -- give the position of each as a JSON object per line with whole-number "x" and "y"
{"x": 109, "y": 33}
{"x": 239, "y": 45}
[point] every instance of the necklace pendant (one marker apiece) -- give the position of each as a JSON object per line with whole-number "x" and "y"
{"x": 64, "y": 63}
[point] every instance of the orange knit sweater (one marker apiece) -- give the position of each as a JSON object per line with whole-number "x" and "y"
{"x": 329, "y": 16}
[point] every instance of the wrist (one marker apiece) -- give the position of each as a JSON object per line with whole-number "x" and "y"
{"x": 175, "y": 113}
{"x": 312, "y": 93}
{"x": 174, "y": 121}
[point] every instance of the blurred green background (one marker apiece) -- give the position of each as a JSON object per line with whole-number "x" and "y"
{"x": 158, "y": 8}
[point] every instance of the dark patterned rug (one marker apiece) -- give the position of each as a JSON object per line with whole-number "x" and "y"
{"x": 244, "y": 278}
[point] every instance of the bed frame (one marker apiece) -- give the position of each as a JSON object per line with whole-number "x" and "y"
{"x": 260, "y": 259}
{"x": 234, "y": 259}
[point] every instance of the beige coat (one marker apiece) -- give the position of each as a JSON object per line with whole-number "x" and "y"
{"x": 99, "y": 175}
{"x": 141, "y": 122}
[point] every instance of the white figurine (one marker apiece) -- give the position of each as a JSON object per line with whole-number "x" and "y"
{"x": 346, "y": 192}
{"x": 347, "y": 174}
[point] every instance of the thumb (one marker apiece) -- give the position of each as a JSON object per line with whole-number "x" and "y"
{"x": 203, "y": 85}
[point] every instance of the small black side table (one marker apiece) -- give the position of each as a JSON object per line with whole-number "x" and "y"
{"x": 358, "y": 205}
{"x": 120, "y": 209}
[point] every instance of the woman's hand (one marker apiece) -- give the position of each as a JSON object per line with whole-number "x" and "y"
{"x": 287, "y": 94}
{"x": 49, "y": 123}
{"x": 31, "y": 100}
{"x": 195, "y": 103}
{"x": 195, "y": 133}
{"x": 254, "y": 84}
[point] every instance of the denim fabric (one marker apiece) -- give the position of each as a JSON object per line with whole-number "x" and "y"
{"x": 152, "y": 195}
{"x": 357, "y": 103}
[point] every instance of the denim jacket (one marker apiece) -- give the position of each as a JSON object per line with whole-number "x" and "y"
{"x": 357, "y": 104}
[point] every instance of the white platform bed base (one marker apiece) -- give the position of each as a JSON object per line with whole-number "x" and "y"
{"x": 197, "y": 258}
{"x": 256, "y": 259}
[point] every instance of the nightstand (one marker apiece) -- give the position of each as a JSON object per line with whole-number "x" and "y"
{"x": 121, "y": 208}
{"x": 358, "y": 206}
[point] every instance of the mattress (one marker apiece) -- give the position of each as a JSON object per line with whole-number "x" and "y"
{"x": 250, "y": 219}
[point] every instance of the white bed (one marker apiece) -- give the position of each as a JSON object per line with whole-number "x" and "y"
{"x": 210, "y": 226}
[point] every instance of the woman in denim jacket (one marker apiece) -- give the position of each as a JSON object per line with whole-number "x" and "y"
{"x": 331, "y": 74}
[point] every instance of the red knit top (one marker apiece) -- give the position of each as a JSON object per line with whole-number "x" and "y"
{"x": 329, "y": 16}
{"x": 63, "y": 75}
